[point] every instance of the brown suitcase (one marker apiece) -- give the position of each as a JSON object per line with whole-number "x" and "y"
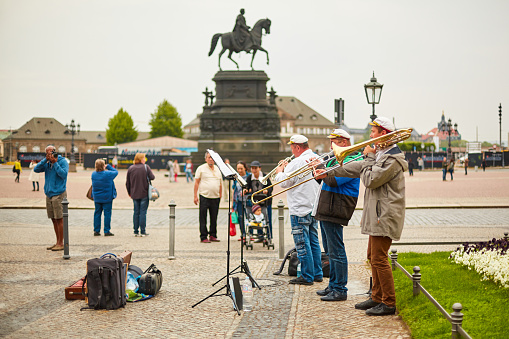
{"x": 126, "y": 255}
{"x": 73, "y": 292}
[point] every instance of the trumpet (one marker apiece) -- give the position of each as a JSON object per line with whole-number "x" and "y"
{"x": 270, "y": 175}
{"x": 340, "y": 153}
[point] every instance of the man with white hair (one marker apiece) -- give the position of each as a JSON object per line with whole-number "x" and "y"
{"x": 383, "y": 214}
{"x": 334, "y": 207}
{"x": 55, "y": 169}
{"x": 300, "y": 203}
{"x": 207, "y": 192}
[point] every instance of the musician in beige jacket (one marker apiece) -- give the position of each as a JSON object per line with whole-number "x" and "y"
{"x": 383, "y": 213}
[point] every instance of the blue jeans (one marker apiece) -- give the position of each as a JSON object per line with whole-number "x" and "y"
{"x": 269, "y": 216}
{"x": 305, "y": 237}
{"x": 444, "y": 172}
{"x": 140, "y": 215}
{"x": 99, "y": 208}
{"x": 189, "y": 175}
{"x": 337, "y": 256}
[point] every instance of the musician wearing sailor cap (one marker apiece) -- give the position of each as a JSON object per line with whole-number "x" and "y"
{"x": 383, "y": 213}
{"x": 300, "y": 203}
{"x": 334, "y": 207}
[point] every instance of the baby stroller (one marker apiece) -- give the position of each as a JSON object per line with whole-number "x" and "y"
{"x": 257, "y": 222}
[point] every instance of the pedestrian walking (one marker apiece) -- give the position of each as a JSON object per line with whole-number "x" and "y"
{"x": 17, "y": 170}
{"x": 189, "y": 171}
{"x": 466, "y": 164}
{"x": 33, "y": 177}
{"x": 410, "y": 167}
{"x": 450, "y": 167}
{"x": 103, "y": 193}
{"x": 483, "y": 164}
{"x": 137, "y": 188}
{"x": 114, "y": 162}
{"x": 420, "y": 163}
{"x": 169, "y": 167}
{"x": 208, "y": 192}
{"x": 55, "y": 169}
{"x": 444, "y": 169}
{"x": 176, "y": 169}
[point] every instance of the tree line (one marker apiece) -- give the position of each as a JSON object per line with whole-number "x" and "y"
{"x": 165, "y": 121}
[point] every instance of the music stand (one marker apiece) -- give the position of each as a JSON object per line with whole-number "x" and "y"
{"x": 244, "y": 268}
{"x": 229, "y": 175}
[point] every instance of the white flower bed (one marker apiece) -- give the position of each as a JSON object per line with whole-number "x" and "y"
{"x": 491, "y": 264}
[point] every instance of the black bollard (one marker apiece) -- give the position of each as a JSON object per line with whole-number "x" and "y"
{"x": 65, "y": 206}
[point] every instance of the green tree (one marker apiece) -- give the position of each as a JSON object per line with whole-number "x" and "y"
{"x": 121, "y": 128}
{"x": 166, "y": 121}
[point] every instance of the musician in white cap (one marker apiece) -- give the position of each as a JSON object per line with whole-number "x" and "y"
{"x": 383, "y": 214}
{"x": 300, "y": 203}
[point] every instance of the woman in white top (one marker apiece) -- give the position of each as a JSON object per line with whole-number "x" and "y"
{"x": 33, "y": 177}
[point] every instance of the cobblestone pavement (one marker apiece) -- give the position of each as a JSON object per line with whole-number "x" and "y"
{"x": 32, "y": 279}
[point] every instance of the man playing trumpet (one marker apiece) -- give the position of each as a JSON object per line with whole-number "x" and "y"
{"x": 300, "y": 203}
{"x": 383, "y": 213}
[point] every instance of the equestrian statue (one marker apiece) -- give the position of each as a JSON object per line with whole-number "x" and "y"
{"x": 242, "y": 39}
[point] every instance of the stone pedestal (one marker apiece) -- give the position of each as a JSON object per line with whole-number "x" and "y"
{"x": 242, "y": 124}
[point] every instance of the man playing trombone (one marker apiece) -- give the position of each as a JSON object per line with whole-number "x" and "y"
{"x": 383, "y": 213}
{"x": 334, "y": 207}
{"x": 300, "y": 203}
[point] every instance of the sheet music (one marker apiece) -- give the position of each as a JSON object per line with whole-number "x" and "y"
{"x": 225, "y": 170}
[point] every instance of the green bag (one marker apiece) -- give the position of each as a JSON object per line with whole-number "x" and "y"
{"x": 235, "y": 217}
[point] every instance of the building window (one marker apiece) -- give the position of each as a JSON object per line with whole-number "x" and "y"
{"x": 299, "y": 117}
{"x": 36, "y": 149}
{"x": 75, "y": 149}
{"x": 314, "y": 117}
{"x": 28, "y": 131}
{"x": 61, "y": 149}
{"x": 283, "y": 129}
{"x": 22, "y": 149}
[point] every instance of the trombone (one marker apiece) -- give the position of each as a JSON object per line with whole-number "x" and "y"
{"x": 340, "y": 153}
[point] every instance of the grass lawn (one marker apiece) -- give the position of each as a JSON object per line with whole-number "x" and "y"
{"x": 485, "y": 305}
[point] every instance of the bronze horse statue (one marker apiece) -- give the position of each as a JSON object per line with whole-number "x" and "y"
{"x": 228, "y": 42}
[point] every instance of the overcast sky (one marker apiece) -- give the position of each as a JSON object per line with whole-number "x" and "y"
{"x": 85, "y": 59}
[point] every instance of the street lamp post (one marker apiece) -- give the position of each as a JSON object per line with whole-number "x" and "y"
{"x": 73, "y": 129}
{"x": 449, "y": 128}
{"x": 373, "y": 93}
{"x": 500, "y": 136}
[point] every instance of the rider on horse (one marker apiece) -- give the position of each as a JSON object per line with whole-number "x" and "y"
{"x": 243, "y": 40}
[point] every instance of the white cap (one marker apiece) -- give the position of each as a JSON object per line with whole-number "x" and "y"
{"x": 385, "y": 123}
{"x": 339, "y": 133}
{"x": 298, "y": 139}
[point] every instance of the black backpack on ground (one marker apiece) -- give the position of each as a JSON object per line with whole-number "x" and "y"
{"x": 293, "y": 262}
{"x": 150, "y": 281}
{"x": 105, "y": 281}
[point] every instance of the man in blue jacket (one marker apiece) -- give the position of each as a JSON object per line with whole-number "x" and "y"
{"x": 55, "y": 169}
{"x": 335, "y": 205}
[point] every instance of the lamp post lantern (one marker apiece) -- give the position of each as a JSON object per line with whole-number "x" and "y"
{"x": 73, "y": 129}
{"x": 373, "y": 91}
{"x": 449, "y": 128}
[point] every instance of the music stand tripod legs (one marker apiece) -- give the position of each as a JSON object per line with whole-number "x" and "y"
{"x": 244, "y": 268}
{"x": 228, "y": 292}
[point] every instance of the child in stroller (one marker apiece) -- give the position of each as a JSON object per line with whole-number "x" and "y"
{"x": 257, "y": 222}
